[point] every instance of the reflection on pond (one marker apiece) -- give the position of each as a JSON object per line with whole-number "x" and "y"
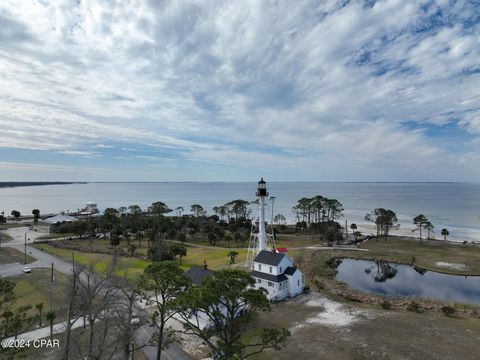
{"x": 395, "y": 280}
{"x": 384, "y": 271}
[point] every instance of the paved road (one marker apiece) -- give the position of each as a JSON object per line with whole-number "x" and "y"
{"x": 44, "y": 332}
{"x": 44, "y": 260}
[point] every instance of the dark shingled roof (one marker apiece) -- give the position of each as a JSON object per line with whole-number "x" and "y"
{"x": 275, "y": 278}
{"x": 269, "y": 258}
{"x": 197, "y": 274}
{"x": 290, "y": 271}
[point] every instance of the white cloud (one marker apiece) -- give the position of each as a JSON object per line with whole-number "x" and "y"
{"x": 286, "y": 84}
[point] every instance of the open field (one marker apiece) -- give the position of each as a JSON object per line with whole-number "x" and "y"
{"x": 34, "y": 288}
{"x": 217, "y": 258}
{"x": 132, "y": 266}
{"x": 325, "y": 329}
{"x": 430, "y": 254}
{"x": 442, "y": 256}
{"x": 10, "y": 256}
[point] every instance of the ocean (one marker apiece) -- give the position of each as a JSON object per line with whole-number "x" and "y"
{"x": 455, "y": 206}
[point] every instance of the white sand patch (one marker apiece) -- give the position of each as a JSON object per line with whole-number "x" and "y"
{"x": 333, "y": 313}
{"x": 191, "y": 344}
{"x": 448, "y": 265}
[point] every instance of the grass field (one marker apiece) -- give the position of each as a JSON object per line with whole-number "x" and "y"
{"x": 132, "y": 266}
{"x": 34, "y": 288}
{"x": 216, "y": 258}
{"x": 464, "y": 258}
{"x": 9, "y": 256}
{"x": 427, "y": 254}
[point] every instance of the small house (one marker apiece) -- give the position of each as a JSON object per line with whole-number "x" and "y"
{"x": 276, "y": 273}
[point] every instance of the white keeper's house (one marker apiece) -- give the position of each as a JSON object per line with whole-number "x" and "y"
{"x": 275, "y": 273}
{"x": 272, "y": 270}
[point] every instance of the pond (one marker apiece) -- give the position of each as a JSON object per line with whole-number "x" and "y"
{"x": 394, "y": 280}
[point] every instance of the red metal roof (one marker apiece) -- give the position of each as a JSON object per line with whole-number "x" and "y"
{"x": 282, "y": 250}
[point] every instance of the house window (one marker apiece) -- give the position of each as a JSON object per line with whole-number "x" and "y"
{"x": 259, "y": 267}
{"x": 259, "y": 281}
{"x": 270, "y": 269}
{"x": 280, "y": 269}
{"x": 298, "y": 282}
{"x": 270, "y": 284}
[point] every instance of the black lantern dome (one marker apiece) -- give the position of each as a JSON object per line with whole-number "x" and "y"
{"x": 262, "y": 188}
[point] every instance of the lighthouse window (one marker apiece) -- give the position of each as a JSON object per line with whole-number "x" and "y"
{"x": 270, "y": 269}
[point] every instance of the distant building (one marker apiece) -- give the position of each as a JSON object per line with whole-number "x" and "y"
{"x": 56, "y": 221}
{"x": 90, "y": 209}
{"x": 275, "y": 273}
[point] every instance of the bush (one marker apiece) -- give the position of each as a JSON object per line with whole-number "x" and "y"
{"x": 449, "y": 310}
{"x": 387, "y": 305}
{"x": 414, "y": 306}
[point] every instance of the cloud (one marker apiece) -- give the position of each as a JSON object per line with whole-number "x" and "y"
{"x": 311, "y": 85}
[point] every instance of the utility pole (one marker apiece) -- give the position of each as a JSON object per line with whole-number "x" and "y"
{"x": 51, "y": 288}
{"x": 25, "y": 261}
{"x": 346, "y": 230}
{"x": 272, "y": 199}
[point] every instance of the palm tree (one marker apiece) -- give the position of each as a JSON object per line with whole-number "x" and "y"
{"x": 39, "y": 307}
{"x": 233, "y": 255}
{"x": 445, "y": 233}
{"x": 50, "y": 316}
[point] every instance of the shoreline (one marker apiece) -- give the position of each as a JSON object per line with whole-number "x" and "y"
{"x": 12, "y": 184}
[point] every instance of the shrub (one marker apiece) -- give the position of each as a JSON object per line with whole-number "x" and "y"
{"x": 414, "y": 306}
{"x": 449, "y": 310}
{"x": 387, "y": 305}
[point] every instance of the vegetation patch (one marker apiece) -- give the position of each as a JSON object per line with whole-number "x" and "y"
{"x": 10, "y": 256}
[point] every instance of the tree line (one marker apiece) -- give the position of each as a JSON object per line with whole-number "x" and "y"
{"x": 108, "y": 302}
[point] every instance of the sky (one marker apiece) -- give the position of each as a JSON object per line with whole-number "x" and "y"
{"x": 138, "y": 90}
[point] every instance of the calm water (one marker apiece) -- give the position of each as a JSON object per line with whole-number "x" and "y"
{"x": 402, "y": 280}
{"x": 455, "y": 206}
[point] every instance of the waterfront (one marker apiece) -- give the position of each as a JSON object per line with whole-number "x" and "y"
{"x": 455, "y": 206}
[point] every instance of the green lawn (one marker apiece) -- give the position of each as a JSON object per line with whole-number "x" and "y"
{"x": 409, "y": 250}
{"x": 131, "y": 266}
{"x": 34, "y": 288}
{"x": 9, "y": 256}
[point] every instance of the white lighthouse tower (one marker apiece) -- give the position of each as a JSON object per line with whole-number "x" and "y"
{"x": 259, "y": 239}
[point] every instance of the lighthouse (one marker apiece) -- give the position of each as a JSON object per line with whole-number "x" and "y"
{"x": 259, "y": 238}
{"x": 262, "y": 234}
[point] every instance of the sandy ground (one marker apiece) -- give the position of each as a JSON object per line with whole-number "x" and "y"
{"x": 449, "y": 265}
{"x": 370, "y": 229}
{"x": 331, "y": 313}
{"x": 326, "y": 329}
{"x": 191, "y": 344}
